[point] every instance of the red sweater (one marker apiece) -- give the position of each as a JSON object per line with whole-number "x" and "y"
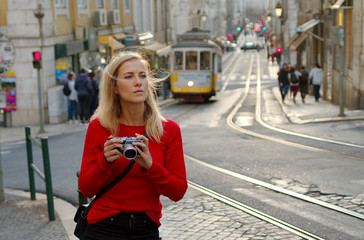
{"x": 140, "y": 189}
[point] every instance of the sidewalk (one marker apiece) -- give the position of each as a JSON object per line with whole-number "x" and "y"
{"x": 196, "y": 216}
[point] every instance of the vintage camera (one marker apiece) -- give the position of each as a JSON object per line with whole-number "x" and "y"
{"x": 129, "y": 151}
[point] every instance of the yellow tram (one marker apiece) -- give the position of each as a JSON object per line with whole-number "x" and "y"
{"x": 196, "y": 66}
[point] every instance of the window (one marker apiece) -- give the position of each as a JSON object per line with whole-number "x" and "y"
{"x": 205, "y": 61}
{"x": 82, "y": 4}
{"x": 156, "y": 16}
{"x": 191, "y": 60}
{"x": 60, "y": 3}
{"x": 126, "y": 5}
{"x": 100, "y": 4}
{"x": 178, "y": 56}
{"x": 61, "y": 8}
{"x": 82, "y": 8}
{"x": 114, "y": 4}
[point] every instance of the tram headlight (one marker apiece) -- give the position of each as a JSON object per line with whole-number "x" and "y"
{"x": 191, "y": 83}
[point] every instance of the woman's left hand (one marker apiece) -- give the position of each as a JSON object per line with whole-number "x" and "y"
{"x": 145, "y": 160}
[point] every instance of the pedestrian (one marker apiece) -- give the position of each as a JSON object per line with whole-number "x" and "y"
{"x": 303, "y": 83}
{"x": 268, "y": 49}
{"x": 127, "y": 108}
{"x": 283, "y": 80}
{"x": 84, "y": 94}
{"x": 317, "y": 77}
{"x": 166, "y": 84}
{"x": 95, "y": 96}
{"x": 293, "y": 77}
{"x": 73, "y": 99}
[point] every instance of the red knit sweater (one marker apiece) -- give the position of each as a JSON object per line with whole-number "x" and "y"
{"x": 140, "y": 189}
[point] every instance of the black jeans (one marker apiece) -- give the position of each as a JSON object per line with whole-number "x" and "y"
{"x": 84, "y": 103}
{"x": 123, "y": 226}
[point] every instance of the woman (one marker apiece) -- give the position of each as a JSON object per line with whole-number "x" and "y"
{"x": 72, "y": 98}
{"x": 127, "y": 108}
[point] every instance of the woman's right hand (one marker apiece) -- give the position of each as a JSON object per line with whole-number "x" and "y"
{"x": 113, "y": 149}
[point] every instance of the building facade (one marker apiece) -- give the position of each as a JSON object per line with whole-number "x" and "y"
{"x": 323, "y": 32}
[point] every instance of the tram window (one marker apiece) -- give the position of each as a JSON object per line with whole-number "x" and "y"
{"x": 178, "y": 56}
{"x": 191, "y": 60}
{"x": 205, "y": 61}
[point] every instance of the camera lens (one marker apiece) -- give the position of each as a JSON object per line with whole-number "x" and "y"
{"x": 130, "y": 152}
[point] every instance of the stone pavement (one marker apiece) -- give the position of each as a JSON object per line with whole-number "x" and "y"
{"x": 197, "y": 216}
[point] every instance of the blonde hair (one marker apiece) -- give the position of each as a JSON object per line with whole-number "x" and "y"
{"x": 109, "y": 110}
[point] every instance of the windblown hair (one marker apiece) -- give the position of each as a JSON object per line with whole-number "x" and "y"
{"x": 109, "y": 109}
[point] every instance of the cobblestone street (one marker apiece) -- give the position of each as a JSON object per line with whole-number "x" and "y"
{"x": 206, "y": 218}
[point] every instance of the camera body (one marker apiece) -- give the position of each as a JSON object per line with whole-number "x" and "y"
{"x": 129, "y": 150}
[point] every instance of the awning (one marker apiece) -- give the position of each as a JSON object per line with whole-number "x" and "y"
{"x": 307, "y": 25}
{"x": 143, "y": 37}
{"x": 69, "y": 48}
{"x": 119, "y": 36}
{"x": 337, "y": 4}
{"x": 299, "y": 41}
{"x": 160, "y": 48}
{"x": 116, "y": 44}
{"x": 293, "y": 38}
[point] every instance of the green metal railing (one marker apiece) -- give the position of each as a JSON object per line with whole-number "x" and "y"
{"x": 47, "y": 178}
{"x": 81, "y": 198}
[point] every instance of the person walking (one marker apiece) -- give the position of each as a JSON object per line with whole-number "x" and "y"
{"x": 268, "y": 45}
{"x": 95, "y": 96}
{"x": 283, "y": 80}
{"x": 293, "y": 77}
{"x": 303, "y": 83}
{"x": 73, "y": 99}
{"x": 84, "y": 94}
{"x": 127, "y": 108}
{"x": 317, "y": 76}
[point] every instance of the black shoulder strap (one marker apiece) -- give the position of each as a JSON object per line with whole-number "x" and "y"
{"x": 116, "y": 180}
{"x": 110, "y": 185}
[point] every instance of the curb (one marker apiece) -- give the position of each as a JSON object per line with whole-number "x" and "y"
{"x": 296, "y": 120}
{"x": 64, "y": 210}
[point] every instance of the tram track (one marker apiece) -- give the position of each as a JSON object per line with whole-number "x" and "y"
{"x": 273, "y": 188}
{"x": 258, "y": 118}
{"x": 256, "y": 213}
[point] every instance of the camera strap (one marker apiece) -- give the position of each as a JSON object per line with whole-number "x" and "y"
{"x": 109, "y": 186}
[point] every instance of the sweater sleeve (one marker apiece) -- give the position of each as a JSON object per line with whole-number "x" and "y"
{"x": 94, "y": 168}
{"x": 170, "y": 180}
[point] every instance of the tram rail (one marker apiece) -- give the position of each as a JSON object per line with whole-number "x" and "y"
{"x": 273, "y": 188}
{"x": 256, "y": 213}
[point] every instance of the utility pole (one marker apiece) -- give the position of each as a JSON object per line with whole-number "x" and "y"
{"x": 2, "y": 194}
{"x": 39, "y": 14}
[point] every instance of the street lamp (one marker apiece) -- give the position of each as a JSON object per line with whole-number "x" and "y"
{"x": 278, "y": 10}
{"x": 203, "y": 19}
{"x": 269, "y": 17}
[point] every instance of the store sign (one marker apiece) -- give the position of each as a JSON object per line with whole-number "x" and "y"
{"x": 105, "y": 40}
{"x": 61, "y": 71}
{"x": 8, "y": 91}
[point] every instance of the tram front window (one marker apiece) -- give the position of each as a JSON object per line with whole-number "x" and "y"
{"x": 178, "y": 56}
{"x": 191, "y": 60}
{"x": 205, "y": 61}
